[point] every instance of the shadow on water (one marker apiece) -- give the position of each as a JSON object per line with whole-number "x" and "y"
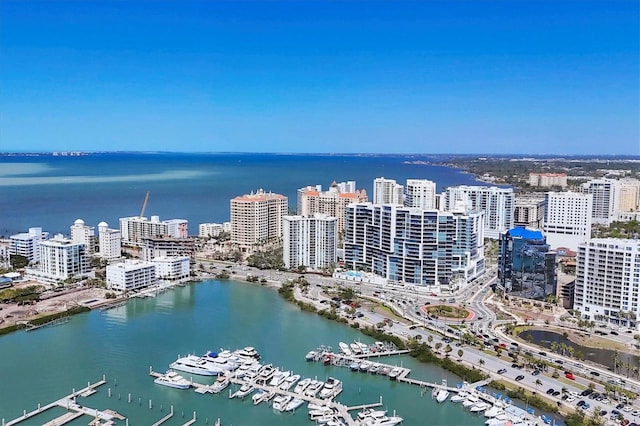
{"x": 603, "y": 357}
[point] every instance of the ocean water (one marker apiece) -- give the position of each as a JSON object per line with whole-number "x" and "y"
{"x": 52, "y": 192}
{"x": 46, "y": 364}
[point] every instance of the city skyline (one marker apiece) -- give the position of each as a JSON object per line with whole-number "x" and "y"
{"x": 558, "y": 78}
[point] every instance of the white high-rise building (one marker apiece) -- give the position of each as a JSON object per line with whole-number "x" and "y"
{"x": 134, "y": 229}
{"x": 607, "y": 284}
{"x": 413, "y": 245}
{"x": 497, "y": 203}
{"x": 26, "y": 244}
{"x": 332, "y": 202}
{"x": 567, "y": 220}
{"x": 606, "y": 193}
{"x": 109, "y": 241}
{"x": 257, "y": 217}
{"x": 310, "y": 241}
{"x": 83, "y": 234}
{"x": 60, "y": 259}
{"x": 131, "y": 275}
{"x": 387, "y": 191}
{"x": 420, "y": 193}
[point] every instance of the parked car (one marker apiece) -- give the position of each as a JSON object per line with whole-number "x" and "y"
{"x": 542, "y": 353}
{"x": 581, "y": 403}
{"x": 535, "y": 372}
{"x": 520, "y": 377}
{"x": 502, "y": 371}
{"x": 550, "y": 391}
{"x": 595, "y": 373}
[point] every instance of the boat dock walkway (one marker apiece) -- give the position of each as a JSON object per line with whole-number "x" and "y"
{"x": 69, "y": 403}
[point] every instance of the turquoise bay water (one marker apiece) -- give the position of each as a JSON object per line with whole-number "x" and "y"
{"x": 122, "y": 343}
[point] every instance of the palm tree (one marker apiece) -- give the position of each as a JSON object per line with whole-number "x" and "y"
{"x": 461, "y": 352}
{"x": 430, "y": 339}
{"x": 438, "y": 346}
{"x": 538, "y": 383}
{"x": 481, "y": 361}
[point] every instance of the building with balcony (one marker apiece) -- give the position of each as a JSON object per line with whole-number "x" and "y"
{"x": 548, "y": 179}
{"x": 60, "y": 259}
{"x": 332, "y": 202}
{"x": 387, "y": 191}
{"x": 256, "y": 218}
{"x": 413, "y": 245}
{"x": 606, "y": 193}
{"x": 607, "y": 286}
{"x": 109, "y": 242}
{"x": 136, "y": 228}
{"x": 420, "y": 193}
{"x": 310, "y": 241}
{"x": 84, "y": 234}
{"x": 131, "y": 275}
{"x": 155, "y": 247}
{"x": 529, "y": 211}
{"x": 172, "y": 268}
{"x": 26, "y": 244}
{"x": 498, "y": 205}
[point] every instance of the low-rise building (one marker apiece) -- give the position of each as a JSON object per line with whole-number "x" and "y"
{"x": 172, "y": 268}
{"x": 26, "y": 244}
{"x": 131, "y": 275}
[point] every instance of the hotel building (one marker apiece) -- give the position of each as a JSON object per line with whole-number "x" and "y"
{"x": 333, "y": 202}
{"x": 497, "y": 203}
{"x": 567, "y": 221}
{"x": 131, "y": 275}
{"x": 311, "y": 241}
{"x": 208, "y": 230}
{"x": 257, "y": 218}
{"x": 608, "y": 281}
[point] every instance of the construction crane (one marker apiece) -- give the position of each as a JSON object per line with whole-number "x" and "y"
{"x": 136, "y": 249}
{"x": 144, "y": 204}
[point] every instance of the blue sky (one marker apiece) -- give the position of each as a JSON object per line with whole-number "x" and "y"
{"x": 540, "y": 77}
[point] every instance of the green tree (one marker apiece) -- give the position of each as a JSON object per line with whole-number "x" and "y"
{"x": 18, "y": 261}
{"x": 460, "y": 353}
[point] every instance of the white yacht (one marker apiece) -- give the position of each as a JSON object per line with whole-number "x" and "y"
{"x": 220, "y": 384}
{"x": 293, "y": 404}
{"x": 331, "y": 388}
{"x": 196, "y": 365}
{"x": 479, "y": 407}
{"x": 355, "y": 348}
{"x": 442, "y": 395}
{"x": 248, "y": 352}
{"x": 320, "y": 412}
{"x": 244, "y": 390}
{"x": 280, "y": 402}
{"x": 258, "y": 397}
{"x": 394, "y": 373}
{"x": 363, "y": 348}
{"x": 302, "y": 385}
{"x": 345, "y": 348}
{"x": 173, "y": 380}
{"x": 472, "y": 398}
{"x": 380, "y": 418}
{"x": 279, "y": 377}
{"x": 313, "y": 388}
{"x": 289, "y": 381}
{"x": 500, "y": 419}
{"x": 497, "y": 408}
{"x": 311, "y": 355}
{"x": 459, "y": 397}
{"x": 365, "y": 365}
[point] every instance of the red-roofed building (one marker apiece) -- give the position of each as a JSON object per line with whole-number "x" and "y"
{"x": 257, "y": 217}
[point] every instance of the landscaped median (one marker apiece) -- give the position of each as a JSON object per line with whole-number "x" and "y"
{"x": 44, "y": 319}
